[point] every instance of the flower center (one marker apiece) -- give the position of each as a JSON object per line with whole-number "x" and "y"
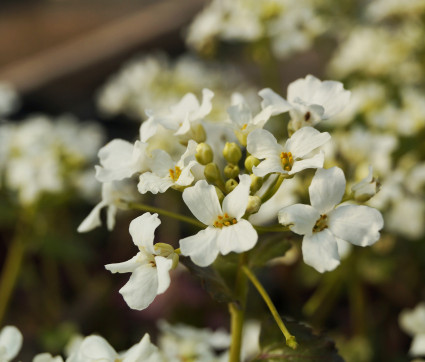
{"x": 287, "y": 160}
{"x": 175, "y": 174}
{"x": 244, "y": 127}
{"x": 224, "y": 220}
{"x": 320, "y": 224}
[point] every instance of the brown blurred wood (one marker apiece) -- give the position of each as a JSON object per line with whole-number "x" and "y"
{"x": 99, "y": 44}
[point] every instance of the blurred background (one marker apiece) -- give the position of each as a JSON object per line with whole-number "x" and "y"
{"x": 75, "y": 74}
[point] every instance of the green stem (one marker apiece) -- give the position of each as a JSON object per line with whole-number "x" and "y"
{"x": 10, "y": 273}
{"x": 273, "y": 188}
{"x": 147, "y": 208}
{"x": 237, "y": 311}
{"x": 290, "y": 339}
{"x": 272, "y": 228}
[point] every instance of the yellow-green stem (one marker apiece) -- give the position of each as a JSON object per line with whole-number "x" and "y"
{"x": 272, "y": 228}
{"x": 290, "y": 339}
{"x": 237, "y": 311}
{"x": 147, "y": 208}
{"x": 273, "y": 188}
{"x": 10, "y": 274}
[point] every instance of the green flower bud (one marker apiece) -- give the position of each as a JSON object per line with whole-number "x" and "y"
{"x": 198, "y": 133}
{"x": 254, "y": 204}
{"x": 232, "y": 152}
{"x": 230, "y": 185}
{"x": 250, "y": 162}
{"x": 204, "y": 153}
{"x": 231, "y": 171}
{"x": 212, "y": 173}
{"x": 220, "y": 194}
{"x": 256, "y": 183}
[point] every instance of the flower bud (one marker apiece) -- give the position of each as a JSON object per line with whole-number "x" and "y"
{"x": 232, "y": 152}
{"x": 220, "y": 194}
{"x": 256, "y": 183}
{"x": 254, "y": 204}
{"x": 250, "y": 162}
{"x": 198, "y": 133}
{"x": 231, "y": 171}
{"x": 163, "y": 249}
{"x": 230, "y": 185}
{"x": 204, "y": 153}
{"x": 212, "y": 173}
{"x": 366, "y": 188}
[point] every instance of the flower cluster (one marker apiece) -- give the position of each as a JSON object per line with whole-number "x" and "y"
{"x": 226, "y": 171}
{"x": 42, "y": 155}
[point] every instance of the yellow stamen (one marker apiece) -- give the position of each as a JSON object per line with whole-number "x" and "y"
{"x": 175, "y": 174}
{"x": 287, "y": 160}
{"x": 244, "y": 127}
{"x": 321, "y": 224}
{"x": 224, "y": 220}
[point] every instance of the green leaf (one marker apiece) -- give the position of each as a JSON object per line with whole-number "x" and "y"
{"x": 267, "y": 249}
{"x": 211, "y": 281}
{"x": 311, "y": 346}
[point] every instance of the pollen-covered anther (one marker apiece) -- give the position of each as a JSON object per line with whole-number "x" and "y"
{"x": 321, "y": 224}
{"x": 287, "y": 160}
{"x": 244, "y": 126}
{"x": 175, "y": 174}
{"x": 224, "y": 220}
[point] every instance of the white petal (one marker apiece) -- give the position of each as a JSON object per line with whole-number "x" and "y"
{"x": 300, "y": 218}
{"x": 92, "y": 220}
{"x": 148, "y": 129}
{"x": 96, "y": 348}
{"x": 149, "y": 182}
{"x": 327, "y": 188}
{"x": 270, "y": 165}
{"x": 163, "y": 267}
{"x": 111, "y": 212}
{"x": 142, "y": 230}
{"x": 305, "y": 140}
{"x": 235, "y": 202}
{"x": 417, "y": 347}
{"x": 161, "y": 163}
{"x": 356, "y": 224}
{"x": 239, "y": 237}
{"x": 202, "y": 247}
{"x": 10, "y": 341}
{"x": 125, "y": 267}
{"x": 272, "y": 99}
{"x": 314, "y": 162}
{"x": 186, "y": 177}
{"x": 143, "y": 351}
{"x": 413, "y": 321}
{"x": 320, "y": 250}
{"x": 262, "y": 144}
{"x": 142, "y": 287}
{"x": 206, "y": 105}
{"x": 46, "y": 357}
{"x": 202, "y": 200}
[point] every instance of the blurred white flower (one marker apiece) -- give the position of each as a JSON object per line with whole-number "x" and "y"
{"x": 10, "y": 343}
{"x": 413, "y": 323}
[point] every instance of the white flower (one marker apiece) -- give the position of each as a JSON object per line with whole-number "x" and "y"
{"x": 184, "y": 118}
{"x": 120, "y": 159}
{"x": 150, "y": 267}
{"x": 112, "y": 193}
{"x": 166, "y": 172}
{"x": 95, "y": 348}
{"x": 366, "y": 188}
{"x": 413, "y": 323}
{"x": 287, "y": 159}
{"x": 46, "y": 357}
{"x": 226, "y": 230}
{"x": 242, "y": 119}
{"x": 309, "y": 100}
{"x": 181, "y": 342}
{"x": 10, "y": 343}
{"x": 324, "y": 225}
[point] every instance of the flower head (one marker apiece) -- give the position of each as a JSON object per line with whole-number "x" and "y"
{"x": 324, "y": 225}
{"x": 226, "y": 230}
{"x": 150, "y": 267}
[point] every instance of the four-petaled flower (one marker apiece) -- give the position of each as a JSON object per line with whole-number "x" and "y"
{"x": 290, "y": 158}
{"x": 324, "y": 225}
{"x": 150, "y": 267}
{"x": 226, "y": 230}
